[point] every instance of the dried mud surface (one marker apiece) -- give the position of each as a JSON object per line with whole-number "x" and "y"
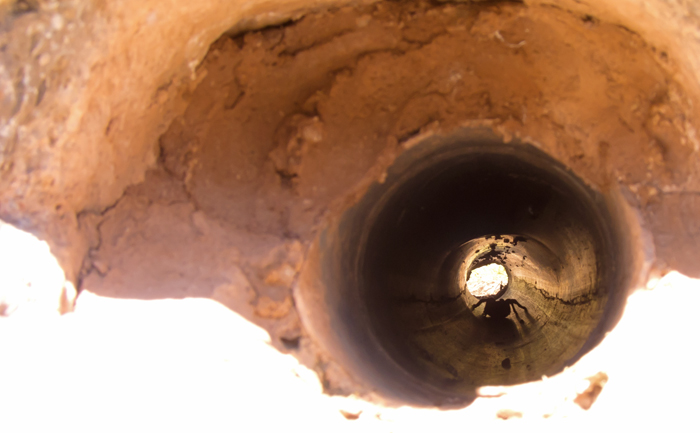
{"x": 290, "y": 124}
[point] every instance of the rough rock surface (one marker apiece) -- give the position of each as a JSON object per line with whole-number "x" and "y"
{"x": 335, "y": 93}
{"x": 87, "y": 87}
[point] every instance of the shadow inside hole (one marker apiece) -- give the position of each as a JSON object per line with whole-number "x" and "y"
{"x": 391, "y": 270}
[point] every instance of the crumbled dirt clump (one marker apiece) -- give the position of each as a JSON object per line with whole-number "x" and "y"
{"x": 589, "y": 396}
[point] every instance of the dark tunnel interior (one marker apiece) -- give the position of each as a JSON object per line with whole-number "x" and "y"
{"x": 393, "y": 270}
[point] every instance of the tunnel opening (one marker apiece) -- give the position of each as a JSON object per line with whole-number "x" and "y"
{"x": 487, "y": 280}
{"x": 393, "y": 271}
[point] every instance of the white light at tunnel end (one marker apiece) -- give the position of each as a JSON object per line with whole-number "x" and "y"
{"x": 487, "y": 281}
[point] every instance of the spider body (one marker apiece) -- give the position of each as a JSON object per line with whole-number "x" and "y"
{"x": 498, "y": 308}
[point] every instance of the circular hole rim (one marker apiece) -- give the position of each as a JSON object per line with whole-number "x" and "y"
{"x": 321, "y": 316}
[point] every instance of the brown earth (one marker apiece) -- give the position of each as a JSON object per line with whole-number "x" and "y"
{"x": 287, "y": 120}
{"x": 278, "y": 128}
{"x": 290, "y": 123}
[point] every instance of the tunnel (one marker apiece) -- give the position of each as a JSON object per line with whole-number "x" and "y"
{"x": 281, "y": 205}
{"x": 393, "y": 270}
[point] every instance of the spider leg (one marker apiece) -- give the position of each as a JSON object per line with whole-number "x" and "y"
{"x": 513, "y": 301}
{"x": 515, "y": 311}
{"x": 510, "y": 306}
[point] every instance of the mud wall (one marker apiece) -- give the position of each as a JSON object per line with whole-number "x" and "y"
{"x": 89, "y": 87}
{"x": 171, "y": 150}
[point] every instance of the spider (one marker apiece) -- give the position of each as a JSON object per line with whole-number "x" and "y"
{"x": 498, "y": 308}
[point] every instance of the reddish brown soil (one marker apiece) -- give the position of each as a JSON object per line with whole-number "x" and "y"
{"x": 293, "y": 122}
{"x": 289, "y": 119}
